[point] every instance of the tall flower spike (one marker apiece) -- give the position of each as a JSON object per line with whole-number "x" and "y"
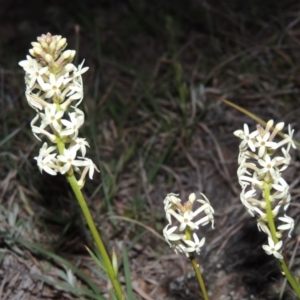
{"x": 264, "y": 191}
{"x": 53, "y": 82}
{"x": 183, "y": 220}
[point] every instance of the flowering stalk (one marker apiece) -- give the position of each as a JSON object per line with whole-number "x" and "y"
{"x": 53, "y": 85}
{"x": 181, "y": 237}
{"x": 265, "y": 193}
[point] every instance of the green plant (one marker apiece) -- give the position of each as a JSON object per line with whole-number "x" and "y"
{"x": 265, "y": 193}
{"x": 53, "y": 83}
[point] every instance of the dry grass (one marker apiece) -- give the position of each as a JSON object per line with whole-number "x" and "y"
{"x": 156, "y": 125}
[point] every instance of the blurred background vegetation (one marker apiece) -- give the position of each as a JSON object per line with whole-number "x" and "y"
{"x": 155, "y": 124}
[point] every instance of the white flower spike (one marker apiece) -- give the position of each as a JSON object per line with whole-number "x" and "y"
{"x": 52, "y": 84}
{"x": 264, "y": 190}
{"x": 183, "y": 219}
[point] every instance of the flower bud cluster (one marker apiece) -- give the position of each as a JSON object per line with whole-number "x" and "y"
{"x": 53, "y": 83}
{"x": 260, "y": 176}
{"x": 183, "y": 220}
{"x": 49, "y": 51}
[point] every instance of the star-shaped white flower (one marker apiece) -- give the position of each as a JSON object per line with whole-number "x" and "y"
{"x": 81, "y": 143}
{"x": 38, "y": 130}
{"x": 52, "y": 117}
{"x": 170, "y": 203}
{"x": 78, "y": 72}
{"x": 184, "y": 220}
{"x": 272, "y": 248}
{"x": 68, "y": 158}
{"x": 45, "y": 160}
{"x": 53, "y": 87}
{"x": 92, "y": 167}
{"x": 286, "y": 201}
{"x": 247, "y": 138}
{"x": 263, "y": 143}
{"x": 194, "y": 245}
{"x": 34, "y": 100}
{"x": 73, "y": 125}
{"x": 27, "y": 64}
{"x": 261, "y": 225}
{"x": 289, "y": 224}
{"x": 281, "y": 187}
{"x": 283, "y": 161}
{"x": 208, "y": 211}
{"x": 255, "y": 182}
{"x": 205, "y": 206}
{"x": 169, "y": 234}
{"x": 245, "y": 196}
{"x": 288, "y": 139}
{"x": 269, "y": 165}
{"x": 76, "y": 92}
{"x": 35, "y": 72}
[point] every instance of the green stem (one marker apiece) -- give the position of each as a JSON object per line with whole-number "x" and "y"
{"x": 88, "y": 217}
{"x": 291, "y": 279}
{"x": 196, "y": 267}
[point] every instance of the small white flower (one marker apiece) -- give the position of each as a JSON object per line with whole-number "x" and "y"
{"x": 170, "y": 236}
{"x": 170, "y": 201}
{"x": 81, "y": 144}
{"x": 53, "y": 87}
{"x": 289, "y": 224}
{"x": 245, "y": 196}
{"x": 91, "y": 166}
{"x": 194, "y": 245}
{"x": 286, "y": 202}
{"x": 268, "y": 165}
{"x": 263, "y": 143}
{"x": 246, "y": 137}
{"x": 184, "y": 220}
{"x": 68, "y": 158}
{"x": 37, "y": 130}
{"x": 35, "y": 72}
{"x": 283, "y": 161}
{"x": 254, "y": 181}
{"x": 273, "y": 248}
{"x": 45, "y": 160}
{"x": 73, "y": 125}
{"x": 241, "y": 172}
{"x": 27, "y": 64}
{"x": 78, "y": 72}
{"x": 288, "y": 139}
{"x": 52, "y": 117}
{"x": 35, "y": 100}
{"x": 242, "y": 156}
{"x": 261, "y": 225}
{"x": 206, "y": 207}
{"x": 281, "y": 187}
{"x": 76, "y": 92}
